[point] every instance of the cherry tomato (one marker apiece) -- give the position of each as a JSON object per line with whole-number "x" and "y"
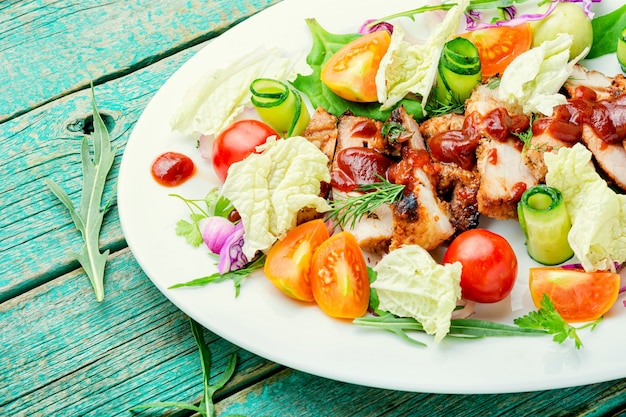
{"x": 577, "y": 295}
{"x": 489, "y": 265}
{"x": 289, "y": 260}
{"x": 498, "y": 46}
{"x": 339, "y": 277}
{"x": 236, "y": 142}
{"x": 351, "y": 71}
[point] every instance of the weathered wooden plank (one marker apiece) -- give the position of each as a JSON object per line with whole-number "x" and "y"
{"x": 50, "y": 49}
{"x": 292, "y": 393}
{"x": 62, "y": 353}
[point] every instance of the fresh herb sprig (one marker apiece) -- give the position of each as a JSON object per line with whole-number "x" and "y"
{"x": 350, "y": 210}
{"x": 211, "y": 205}
{"x": 545, "y": 321}
{"x": 206, "y": 408}
{"x": 90, "y": 214}
{"x": 238, "y": 276}
{"x": 548, "y": 319}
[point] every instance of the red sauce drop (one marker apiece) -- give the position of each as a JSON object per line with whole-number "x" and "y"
{"x": 453, "y": 146}
{"x": 359, "y": 166}
{"x": 172, "y": 169}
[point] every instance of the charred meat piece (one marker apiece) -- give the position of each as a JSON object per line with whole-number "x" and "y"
{"x": 402, "y": 127}
{"x": 610, "y": 157}
{"x": 503, "y": 178}
{"x": 459, "y": 187}
{"x": 322, "y": 132}
{"x": 420, "y": 217}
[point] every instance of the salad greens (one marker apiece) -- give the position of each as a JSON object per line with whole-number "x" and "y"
{"x": 325, "y": 44}
{"x": 90, "y": 214}
{"x": 211, "y": 205}
{"x": 606, "y": 31}
{"x": 206, "y": 408}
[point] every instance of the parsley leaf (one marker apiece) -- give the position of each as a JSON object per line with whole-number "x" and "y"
{"x": 211, "y": 205}
{"x": 550, "y": 320}
{"x": 89, "y": 216}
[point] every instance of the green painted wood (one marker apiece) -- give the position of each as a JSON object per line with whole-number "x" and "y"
{"x": 292, "y": 393}
{"x": 48, "y": 49}
{"x": 64, "y": 354}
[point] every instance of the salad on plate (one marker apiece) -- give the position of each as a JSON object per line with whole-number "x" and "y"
{"x": 358, "y": 177}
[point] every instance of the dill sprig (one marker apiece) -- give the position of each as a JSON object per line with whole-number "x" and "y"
{"x": 349, "y": 211}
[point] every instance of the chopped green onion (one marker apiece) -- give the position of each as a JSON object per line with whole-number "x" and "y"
{"x": 545, "y": 224}
{"x": 280, "y": 106}
{"x": 458, "y": 72}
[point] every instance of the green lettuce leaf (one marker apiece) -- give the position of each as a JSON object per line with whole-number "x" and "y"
{"x": 268, "y": 189}
{"x": 325, "y": 44}
{"x": 410, "y": 283}
{"x": 598, "y": 214}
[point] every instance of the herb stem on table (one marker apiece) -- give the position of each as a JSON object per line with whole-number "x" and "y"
{"x": 206, "y": 408}
{"x": 89, "y": 216}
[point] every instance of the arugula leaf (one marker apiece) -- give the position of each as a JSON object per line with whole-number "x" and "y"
{"x": 206, "y": 407}
{"x": 89, "y": 216}
{"x": 606, "y": 32}
{"x": 238, "y": 276}
{"x": 325, "y": 44}
{"x": 548, "y": 319}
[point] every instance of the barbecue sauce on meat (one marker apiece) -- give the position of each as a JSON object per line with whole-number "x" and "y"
{"x": 359, "y": 165}
{"x": 607, "y": 118}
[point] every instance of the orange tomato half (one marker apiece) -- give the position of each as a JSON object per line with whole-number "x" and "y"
{"x": 351, "y": 71}
{"x": 577, "y": 295}
{"x": 498, "y": 46}
{"x": 339, "y": 277}
{"x": 289, "y": 260}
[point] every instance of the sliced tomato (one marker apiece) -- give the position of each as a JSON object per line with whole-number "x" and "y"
{"x": 339, "y": 277}
{"x": 289, "y": 260}
{"x": 351, "y": 71}
{"x": 498, "y": 46}
{"x": 577, "y": 295}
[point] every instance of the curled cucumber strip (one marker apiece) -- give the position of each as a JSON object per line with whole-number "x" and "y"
{"x": 280, "y": 106}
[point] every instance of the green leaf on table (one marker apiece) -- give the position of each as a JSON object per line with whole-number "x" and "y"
{"x": 206, "y": 408}
{"x": 90, "y": 214}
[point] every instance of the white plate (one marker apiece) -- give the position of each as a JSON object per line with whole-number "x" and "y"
{"x": 300, "y": 336}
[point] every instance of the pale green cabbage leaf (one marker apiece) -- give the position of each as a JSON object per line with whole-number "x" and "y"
{"x": 410, "y": 283}
{"x": 210, "y": 105}
{"x": 268, "y": 189}
{"x": 411, "y": 68}
{"x": 598, "y": 214}
{"x": 533, "y": 79}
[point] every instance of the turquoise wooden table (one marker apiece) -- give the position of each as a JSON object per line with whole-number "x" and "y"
{"x": 64, "y": 354}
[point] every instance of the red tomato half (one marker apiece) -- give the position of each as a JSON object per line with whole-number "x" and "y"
{"x": 351, "y": 71}
{"x": 236, "y": 142}
{"x": 498, "y": 46}
{"x": 577, "y": 295}
{"x": 339, "y": 277}
{"x": 289, "y": 260}
{"x": 489, "y": 265}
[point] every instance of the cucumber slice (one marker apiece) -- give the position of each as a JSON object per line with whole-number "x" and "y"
{"x": 621, "y": 50}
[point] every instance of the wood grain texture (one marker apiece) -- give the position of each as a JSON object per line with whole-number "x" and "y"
{"x": 49, "y": 49}
{"x": 63, "y": 354}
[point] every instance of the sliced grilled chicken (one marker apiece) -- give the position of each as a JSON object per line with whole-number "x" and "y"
{"x": 603, "y": 86}
{"x": 322, "y": 132}
{"x": 459, "y": 187}
{"x": 503, "y": 178}
{"x": 420, "y": 217}
{"x": 610, "y": 157}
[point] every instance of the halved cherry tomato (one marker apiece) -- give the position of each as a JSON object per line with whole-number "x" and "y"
{"x": 577, "y": 295}
{"x": 498, "y": 46}
{"x": 339, "y": 277}
{"x": 351, "y": 71}
{"x": 289, "y": 260}
{"x": 236, "y": 142}
{"x": 489, "y": 265}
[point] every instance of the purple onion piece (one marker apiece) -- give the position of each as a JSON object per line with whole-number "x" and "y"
{"x": 365, "y": 28}
{"x": 216, "y": 232}
{"x": 231, "y": 254}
